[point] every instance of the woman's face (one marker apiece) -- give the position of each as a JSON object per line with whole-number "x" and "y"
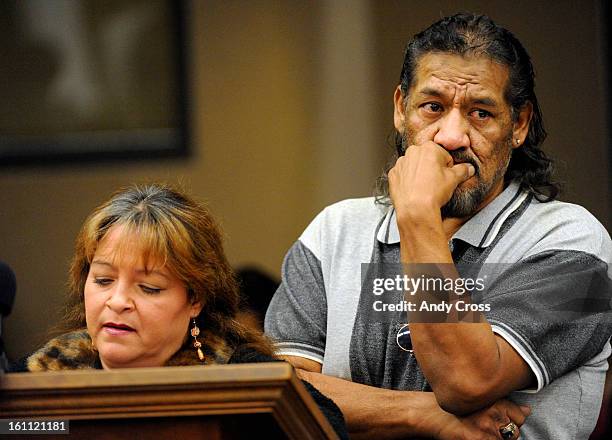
{"x": 137, "y": 316}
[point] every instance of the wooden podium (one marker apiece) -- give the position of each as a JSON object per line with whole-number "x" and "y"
{"x": 264, "y": 400}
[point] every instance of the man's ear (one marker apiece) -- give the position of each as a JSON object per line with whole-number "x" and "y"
{"x": 399, "y": 112}
{"x": 520, "y": 127}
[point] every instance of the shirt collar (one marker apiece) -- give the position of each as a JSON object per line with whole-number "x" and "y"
{"x": 480, "y": 230}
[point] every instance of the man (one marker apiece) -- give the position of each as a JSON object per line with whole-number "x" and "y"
{"x": 470, "y": 186}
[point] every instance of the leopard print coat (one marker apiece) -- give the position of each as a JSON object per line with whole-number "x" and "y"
{"x": 75, "y": 351}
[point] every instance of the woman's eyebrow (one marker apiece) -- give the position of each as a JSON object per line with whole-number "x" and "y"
{"x": 148, "y": 272}
{"x": 139, "y": 271}
{"x": 102, "y": 263}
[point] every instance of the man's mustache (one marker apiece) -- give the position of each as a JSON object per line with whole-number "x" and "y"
{"x": 462, "y": 157}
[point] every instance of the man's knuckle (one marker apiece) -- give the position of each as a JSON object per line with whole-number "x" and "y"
{"x": 519, "y": 420}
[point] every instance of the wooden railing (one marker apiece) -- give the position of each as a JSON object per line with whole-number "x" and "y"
{"x": 213, "y": 402}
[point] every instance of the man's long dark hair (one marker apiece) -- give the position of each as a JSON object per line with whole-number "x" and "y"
{"x": 477, "y": 35}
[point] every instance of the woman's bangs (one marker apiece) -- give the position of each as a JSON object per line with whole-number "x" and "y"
{"x": 151, "y": 242}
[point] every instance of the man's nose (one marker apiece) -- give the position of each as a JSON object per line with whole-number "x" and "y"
{"x": 452, "y": 131}
{"x": 120, "y": 298}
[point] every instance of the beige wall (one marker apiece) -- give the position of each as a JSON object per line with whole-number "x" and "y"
{"x": 291, "y": 108}
{"x": 259, "y": 158}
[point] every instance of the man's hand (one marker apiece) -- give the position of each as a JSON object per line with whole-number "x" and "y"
{"x": 425, "y": 178}
{"x": 484, "y": 424}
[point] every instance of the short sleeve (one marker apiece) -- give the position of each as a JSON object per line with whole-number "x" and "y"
{"x": 554, "y": 309}
{"x": 296, "y": 319}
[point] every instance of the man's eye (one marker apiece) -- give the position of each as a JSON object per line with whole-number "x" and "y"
{"x": 149, "y": 290}
{"x": 481, "y": 114}
{"x": 102, "y": 281}
{"x": 433, "y": 107}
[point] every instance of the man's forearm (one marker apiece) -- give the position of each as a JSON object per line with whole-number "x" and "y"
{"x": 464, "y": 363}
{"x": 380, "y": 413}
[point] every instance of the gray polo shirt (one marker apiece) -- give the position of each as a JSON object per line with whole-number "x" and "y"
{"x": 320, "y": 313}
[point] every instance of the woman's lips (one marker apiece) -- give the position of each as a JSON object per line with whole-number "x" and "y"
{"x": 117, "y": 329}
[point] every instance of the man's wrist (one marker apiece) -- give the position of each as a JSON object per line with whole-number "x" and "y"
{"x": 416, "y": 208}
{"x": 425, "y": 415}
{"x": 424, "y": 228}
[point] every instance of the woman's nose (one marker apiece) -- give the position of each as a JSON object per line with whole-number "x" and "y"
{"x": 120, "y": 298}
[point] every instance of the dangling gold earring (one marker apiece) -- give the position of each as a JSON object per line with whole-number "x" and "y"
{"x": 195, "y": 331}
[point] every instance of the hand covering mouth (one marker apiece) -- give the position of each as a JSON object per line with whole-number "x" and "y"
{"x": 459, "y": 157}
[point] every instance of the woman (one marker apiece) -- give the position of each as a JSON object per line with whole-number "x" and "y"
{"x": 149, "y": 264}
{"x": 150, "y": 286}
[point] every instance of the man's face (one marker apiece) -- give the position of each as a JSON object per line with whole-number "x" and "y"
{"x": 458, "y": 102}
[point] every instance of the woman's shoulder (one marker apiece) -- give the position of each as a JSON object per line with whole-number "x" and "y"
{"x": 247, "y": 353}
{"x": 69, "y": 351}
